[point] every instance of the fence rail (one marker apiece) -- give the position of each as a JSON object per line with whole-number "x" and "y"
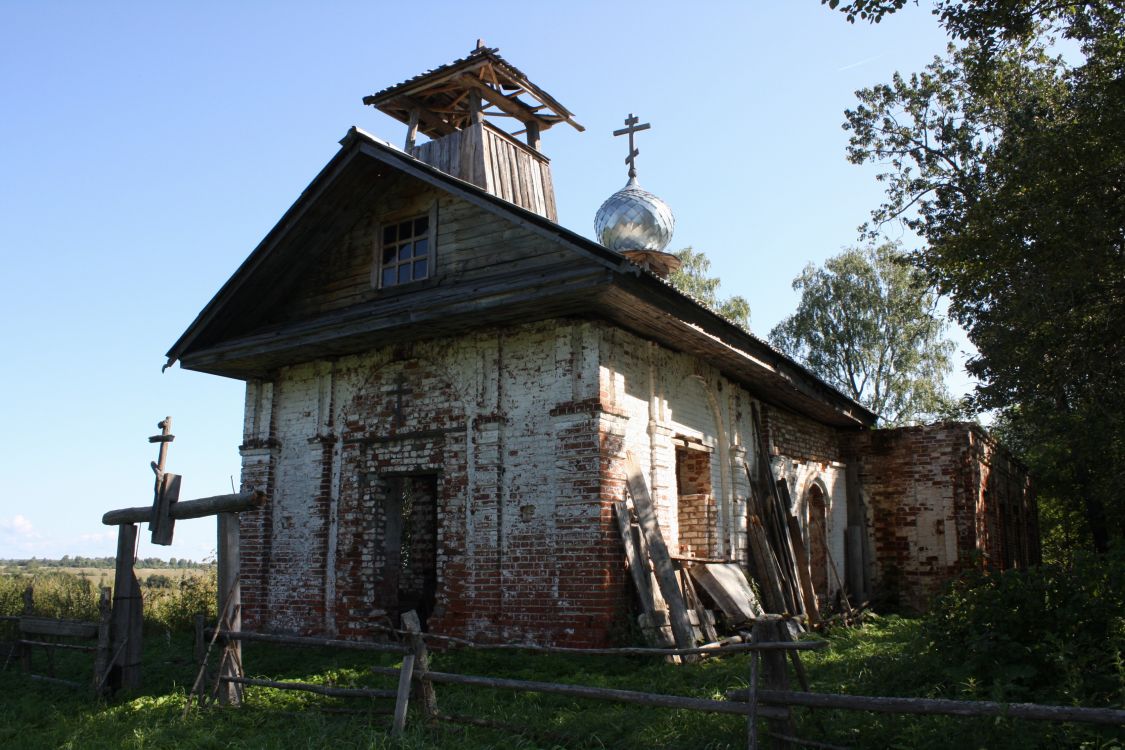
{"x": 770, "y": 649}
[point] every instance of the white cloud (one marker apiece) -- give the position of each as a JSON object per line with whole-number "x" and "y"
{"x": 18, "y": 534}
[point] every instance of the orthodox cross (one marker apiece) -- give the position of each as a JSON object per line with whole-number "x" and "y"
{"x": 398, "y": 392}
{"x": 631, "y": 127}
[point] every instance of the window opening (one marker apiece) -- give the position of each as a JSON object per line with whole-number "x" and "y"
{"x": 696, "y": 512}
{"x": 405, "y": 254}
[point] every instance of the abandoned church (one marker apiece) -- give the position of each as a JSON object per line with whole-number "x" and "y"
{"x": 445, "y": 390}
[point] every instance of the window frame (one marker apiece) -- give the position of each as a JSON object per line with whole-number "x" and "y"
{"x": 400, "y": 217}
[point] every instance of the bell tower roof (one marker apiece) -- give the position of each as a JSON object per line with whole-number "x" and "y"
{"x": 464, "y": 92}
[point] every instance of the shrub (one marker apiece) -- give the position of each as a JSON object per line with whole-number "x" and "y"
{"x": 1054, "y": 633}
{"x": 55, "y": 594}
{"x": 174, "y": 608}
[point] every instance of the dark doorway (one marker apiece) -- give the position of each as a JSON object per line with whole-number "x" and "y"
{"x": 411, "y": 543}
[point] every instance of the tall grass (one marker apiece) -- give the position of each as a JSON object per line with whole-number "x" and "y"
{"x": 65, "y": 595}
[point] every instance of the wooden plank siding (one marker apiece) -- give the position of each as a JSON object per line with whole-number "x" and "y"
{"x": 470, "y": 245}
{"x": 495, "y": 161}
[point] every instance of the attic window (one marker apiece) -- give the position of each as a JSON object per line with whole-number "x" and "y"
{"x": 406, "y": 252}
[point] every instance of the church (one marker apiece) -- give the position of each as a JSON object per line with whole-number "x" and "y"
{"x": 443, "y": 386}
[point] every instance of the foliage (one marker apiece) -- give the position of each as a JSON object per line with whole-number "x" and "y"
{"x": 692, "y": 279}
{"x": 1009, "y": 161}
{"x": 1054, "y": 633}
{"x": 868, "y": 325}
{"x": 65, "y": 595}
{"x": 55, "y": 594}
{"x": 173, "y": 608}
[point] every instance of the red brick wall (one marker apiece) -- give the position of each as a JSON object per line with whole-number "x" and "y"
{"x": 798, "y": 437}
{"x": 936, "y": 501}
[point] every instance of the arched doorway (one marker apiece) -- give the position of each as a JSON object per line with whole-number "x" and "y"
{"x": 818, "y": 541}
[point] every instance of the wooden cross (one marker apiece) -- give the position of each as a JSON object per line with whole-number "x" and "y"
{"x": 398, "y": 392}
{"x": 631, "y": 127}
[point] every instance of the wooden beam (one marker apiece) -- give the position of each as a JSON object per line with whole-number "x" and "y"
{"x": 412, "y": 130}
{"x": 507, "y": 104}
{"x": 433, "y": 123}
{"x": 205, "y": 506}
{"x": 658, "y": 550}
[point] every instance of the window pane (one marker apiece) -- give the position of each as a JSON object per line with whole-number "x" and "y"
{"x": 404, "y": 273}
{"x": 421, "y": 225}
{"x": 404, "y": 230}
{"x": 389, "y": 276}
{"x": 420, "y": 247}
{"x": 388, "y": 235}
{"x": 404, "y": 251}
{"x": 420, "y": 269}
{"x": 389, "y": 254}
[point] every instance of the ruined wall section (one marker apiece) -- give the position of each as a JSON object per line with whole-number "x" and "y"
{"x": 919, "y": 521}
{"x": 940, "y": 498}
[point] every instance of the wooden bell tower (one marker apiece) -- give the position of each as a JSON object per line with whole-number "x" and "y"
{"x": 453, "y": 106}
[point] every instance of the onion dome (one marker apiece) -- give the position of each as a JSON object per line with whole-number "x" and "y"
{"x": 634, "y": 222}
{"x": 633, "y": 219}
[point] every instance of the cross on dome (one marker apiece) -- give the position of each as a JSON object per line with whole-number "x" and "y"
{"x": 630, "y": 128}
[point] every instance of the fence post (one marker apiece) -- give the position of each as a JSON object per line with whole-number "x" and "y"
{"x": 421, "y": 665}
{"x": 230, "y": 607}
{"x": 101, "y": 656}
{"x": 128, "y": 614}
{"x": 28, "y": 610}
{"x": 752, "y": 719}
{"x": 767, "y": 629}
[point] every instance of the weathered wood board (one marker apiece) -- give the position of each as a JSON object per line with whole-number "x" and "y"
{"x": 726, "y": 584}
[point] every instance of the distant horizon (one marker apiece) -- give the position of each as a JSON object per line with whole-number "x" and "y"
{"x": 73, "y": 560}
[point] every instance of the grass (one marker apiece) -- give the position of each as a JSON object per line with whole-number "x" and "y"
{"x": 884, "y": 657}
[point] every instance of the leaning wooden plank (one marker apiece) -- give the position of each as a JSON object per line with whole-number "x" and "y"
{"x": 658, "y": 550}
{"x": 632, "y": 556}
{"x": 784, "y": 507}
{"x": 402, "y": 700}
{"x": 706, "y": 620}
{"x": 48, "y": 626}
{"x": 938, "y": 706}
{"x": 726, "y": 584}
{"x": 766, "y": 567}
{"x": 808, "y": 593}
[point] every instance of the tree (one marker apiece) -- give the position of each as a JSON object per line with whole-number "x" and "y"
{"x": 868, "y": 324}
{"x": 692, "y": 279}
{"x": 1009, "y": 162}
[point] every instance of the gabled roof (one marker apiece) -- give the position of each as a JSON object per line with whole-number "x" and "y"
{"x": 605, "y": 285}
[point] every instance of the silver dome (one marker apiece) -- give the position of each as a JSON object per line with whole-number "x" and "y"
{"x": 633, "y": 219}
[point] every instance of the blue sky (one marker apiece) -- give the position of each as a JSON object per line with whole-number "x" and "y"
{"x": 146, "y": 148}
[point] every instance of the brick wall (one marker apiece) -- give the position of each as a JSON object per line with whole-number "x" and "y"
{"x": 508, "y": 422}
{"x": 940, "y": 498}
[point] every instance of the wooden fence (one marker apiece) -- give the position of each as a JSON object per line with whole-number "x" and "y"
{"x": 774, "y": 661}
{"x": 51, "y": 635}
